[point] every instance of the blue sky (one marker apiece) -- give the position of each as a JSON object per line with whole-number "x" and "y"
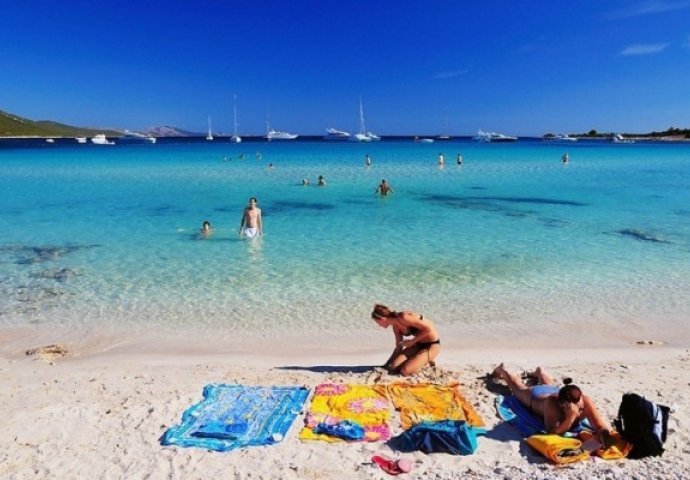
{"x": 525, "y": 67}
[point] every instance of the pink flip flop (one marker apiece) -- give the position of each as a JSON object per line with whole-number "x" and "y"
{"x": 393, "y": 467}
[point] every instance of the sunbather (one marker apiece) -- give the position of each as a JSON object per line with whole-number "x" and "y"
{"x": 421, "y": 346}
{"x": 561, "y": 407}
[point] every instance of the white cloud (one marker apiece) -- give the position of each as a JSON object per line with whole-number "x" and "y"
{"x": 454, "y": 73}
{"x": 650, "y": 8}
{"x": 644, "y": 49}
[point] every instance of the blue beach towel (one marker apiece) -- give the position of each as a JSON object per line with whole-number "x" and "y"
{"x": 232, "y": 416}
{"x": 347, "y": 430}
{"x": 510, "y": 409}
{"x": 455, "y": 437}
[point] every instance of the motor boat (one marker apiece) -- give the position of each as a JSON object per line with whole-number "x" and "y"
{"x": 101, "y": 139}
{"x": 333, "y": 134}
{"x": 618, "y": 138}
{"x": 136, "y": 137}
{"x": 81, "y": 139}
{"x": 278, "y": 135}
{"x": 50, "y": 140}
{"x": 488, "y": 137}
{"x": 426, "y": 140}
{"x": 560, "y": 138}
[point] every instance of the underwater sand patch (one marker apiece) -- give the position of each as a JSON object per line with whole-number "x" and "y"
{"x": 49, "y": 352}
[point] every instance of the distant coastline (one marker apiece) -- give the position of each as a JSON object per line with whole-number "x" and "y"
{"x": 14, "y": 127}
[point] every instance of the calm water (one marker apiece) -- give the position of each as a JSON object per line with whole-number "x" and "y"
{"x": 107, "y": 235}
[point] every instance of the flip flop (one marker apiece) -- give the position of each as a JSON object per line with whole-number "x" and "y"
{"x": 393, "y": 467}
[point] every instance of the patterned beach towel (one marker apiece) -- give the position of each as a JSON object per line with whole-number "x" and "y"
{"x": 232, "y": 416}
{"x": 426, "y": 402}
{"x": 341, "y": 411}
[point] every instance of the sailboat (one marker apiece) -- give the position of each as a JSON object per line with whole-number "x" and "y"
{"x": 445, "y": 135}
{"x": 235, "y": 138}
{"x": 363, "y": 135}
{"x": 209, "y": 137}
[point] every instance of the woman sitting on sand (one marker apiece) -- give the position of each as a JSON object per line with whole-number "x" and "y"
{"x": 561, "y": 407}
{"x": 416, "y": 340}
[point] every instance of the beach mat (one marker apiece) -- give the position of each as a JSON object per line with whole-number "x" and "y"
{"x": 425, "y": 402}
{"x": 341, "y": 410}
{"x": 232, "y": 416}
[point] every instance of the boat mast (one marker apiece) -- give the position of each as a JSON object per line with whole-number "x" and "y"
{"x": 362, "y": 130}
{"x": 235, "y": 112}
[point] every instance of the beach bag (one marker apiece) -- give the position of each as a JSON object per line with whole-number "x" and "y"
{"x": 644, "y": 424}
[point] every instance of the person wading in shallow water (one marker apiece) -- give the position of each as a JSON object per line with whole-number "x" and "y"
{"x": 251, "y": 225}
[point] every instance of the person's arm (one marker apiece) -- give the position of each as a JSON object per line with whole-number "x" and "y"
{"x": 552, "y": 413}
{"x": 244, "y": 218}
{"x": 412, "y": 320}
{"x": 260, "y": 224}
{"x": 397, "y": 350}
{"x": 602, "y": 429}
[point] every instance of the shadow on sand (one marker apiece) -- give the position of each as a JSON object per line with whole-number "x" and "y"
{"x": 331, "y": 368}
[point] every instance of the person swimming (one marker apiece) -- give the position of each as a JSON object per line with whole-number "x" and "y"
{"x": 205, "y": 230}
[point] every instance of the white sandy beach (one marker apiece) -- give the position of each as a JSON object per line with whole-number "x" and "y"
{"x": 100, "y": 411}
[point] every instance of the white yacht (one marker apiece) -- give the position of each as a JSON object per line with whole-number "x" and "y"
{"x": 618, "y": 138}
{"x": 209, "y": 137}
{"x": 489, "y": 137}
{"x": 426, "y": 140}
{"x": 136, "y": 137}
{"x": 363, "y": 135}
{"x": 50, "y": 140}
{"x": 560, "y": 138}
{"x": 235, "y": 138}
{"x": 278, "y": 135}
{"x": 333, "y": 134}
{"x": 101, "y": 139}
{"x": 80, "y": 139}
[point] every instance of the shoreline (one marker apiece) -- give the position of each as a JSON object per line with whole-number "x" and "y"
{"x": 103, "y": 407}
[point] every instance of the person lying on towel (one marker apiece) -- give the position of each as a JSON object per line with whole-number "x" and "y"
{"x": 562, "y": 408}
{"x": 416, "y": 340}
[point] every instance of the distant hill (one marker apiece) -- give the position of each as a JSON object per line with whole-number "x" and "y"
{"x": 15, "y": 126}
{"x": 170, "y": 132}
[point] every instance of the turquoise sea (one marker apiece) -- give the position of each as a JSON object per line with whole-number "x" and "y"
{"x": 512, "y": 239}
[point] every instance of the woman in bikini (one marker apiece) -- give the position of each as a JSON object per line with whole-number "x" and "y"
{"x": 562, "y": 408}
{"x": 416, "y": 340}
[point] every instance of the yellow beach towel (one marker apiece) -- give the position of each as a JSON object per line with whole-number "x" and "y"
{"x": 558, "y": 449}
{"x": 429, "y": 402}
{"x": 366, "y": 405}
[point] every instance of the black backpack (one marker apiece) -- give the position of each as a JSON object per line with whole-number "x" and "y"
{"x": 644, "y": 424}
